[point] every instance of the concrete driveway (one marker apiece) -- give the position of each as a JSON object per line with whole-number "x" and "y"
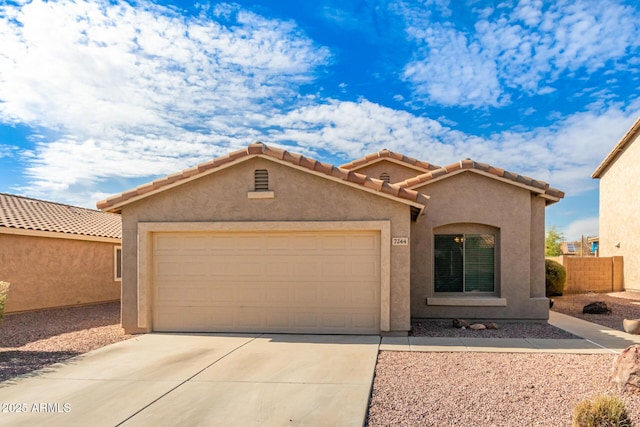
{"x": 202, "y": 380}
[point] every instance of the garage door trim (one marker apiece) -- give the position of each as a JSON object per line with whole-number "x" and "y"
{"x": 145, "y": 253}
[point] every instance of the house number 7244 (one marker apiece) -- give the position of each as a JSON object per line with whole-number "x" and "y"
{"x": 399, "y": 241}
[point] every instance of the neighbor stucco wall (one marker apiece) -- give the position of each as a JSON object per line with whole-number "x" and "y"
{"x": 470, "y": 202}
{"x": 50, "y": 272}
{"x": 396, "y": 171}
{"x": 299, "y": 196}
{"x": 620, "y": 213}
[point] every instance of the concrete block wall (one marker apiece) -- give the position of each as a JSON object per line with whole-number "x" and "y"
{"x": 590, "y": 274}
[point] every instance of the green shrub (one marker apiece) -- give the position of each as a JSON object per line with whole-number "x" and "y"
{"x": 555, "y": 276}
{"x": 4, "y": 288}
{"x": 601, "y": 411}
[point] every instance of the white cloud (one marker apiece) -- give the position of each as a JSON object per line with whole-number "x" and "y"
{"x": 141, "y": 89}
{"x": 453, "y": 70}
{"x": 565, "y": 155}
{"x": 526, "y": 47}
{"x": 587, "y": 227}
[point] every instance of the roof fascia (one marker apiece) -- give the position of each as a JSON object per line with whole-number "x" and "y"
{"x": 117, "y": 207}
{"x": 341, "y": 181}
{"x": 617, "y": 149}
{"x": 536, "y": 190}
{"x": 57, "y": 235}
{"x": 388, "y": 159}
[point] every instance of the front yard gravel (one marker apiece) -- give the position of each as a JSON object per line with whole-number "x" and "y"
{"x": 487, "y": 389}
{"x": 34, "y": 340}
{"x": 623, "y": 305}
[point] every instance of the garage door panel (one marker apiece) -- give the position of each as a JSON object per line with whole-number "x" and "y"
{"x": 272, "y": 281}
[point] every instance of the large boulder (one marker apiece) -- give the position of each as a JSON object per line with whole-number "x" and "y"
{"x": 597, "y": 307}
{"x": 625, "y": 375}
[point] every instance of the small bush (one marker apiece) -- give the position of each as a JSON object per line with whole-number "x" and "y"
{"x": 4, "y": 288}
{"x": 601, "y": 411}
{"x": 555, "y": 276}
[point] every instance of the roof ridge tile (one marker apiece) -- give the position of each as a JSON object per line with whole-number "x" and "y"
{"x": 261, "y": 149}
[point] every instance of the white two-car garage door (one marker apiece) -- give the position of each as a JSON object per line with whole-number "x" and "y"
{"x": 304, "y": 282}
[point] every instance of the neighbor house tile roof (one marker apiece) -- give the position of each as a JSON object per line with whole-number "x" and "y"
{"x": 617, "y": 149}
{"x": 31, "y": 214}
{"x": 386, "y": 154}
{"x": 259, "y": 149}
{"x": 537, "y": 186}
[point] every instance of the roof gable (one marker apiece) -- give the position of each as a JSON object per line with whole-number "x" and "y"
{"x": 415, "y": 199}
{"x": 24, "y": 213}
{"x": 617, "y": 149}
{"x": 539, "y": 187}
{"x": 390, "y": 156}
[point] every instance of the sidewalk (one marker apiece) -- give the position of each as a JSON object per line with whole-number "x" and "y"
{"x": 595, "y": 339}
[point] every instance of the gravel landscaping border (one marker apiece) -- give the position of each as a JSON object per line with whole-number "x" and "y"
{"x": 34, "y": 340}
{"x": 623, "y": 305}
{"x": 487, "y": 389}
{"x": 409, "y": 389}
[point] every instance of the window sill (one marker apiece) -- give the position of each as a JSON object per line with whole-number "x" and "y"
{"x": 468, "y": 302}
{"x": 261, "y": 194}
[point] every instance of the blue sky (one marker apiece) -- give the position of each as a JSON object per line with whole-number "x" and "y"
{"x": 98, "y": 97}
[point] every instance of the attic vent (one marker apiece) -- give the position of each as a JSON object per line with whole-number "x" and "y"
{"x": 261, "y": 180}
{"x": 385, "y": 177}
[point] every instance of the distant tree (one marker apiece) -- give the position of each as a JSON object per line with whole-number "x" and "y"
{"x": 552, "y": 242}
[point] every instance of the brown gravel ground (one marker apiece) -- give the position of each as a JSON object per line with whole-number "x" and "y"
{"x": 623, "y": 305}
{"x": 487, "y": 389}
{"x": 34, "y": 340}
{"x": 444, "y": 328}
{"x": 498, "y": 389}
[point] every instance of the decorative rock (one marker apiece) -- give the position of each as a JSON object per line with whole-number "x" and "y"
{"x": 597, "y": 307}
{"x": 477, "y": 326}
{"x": 626, "y": 370}
{"x": 460, "y": 323}
{"x": 492, "y": 325}
{"x": 631, "y": 326}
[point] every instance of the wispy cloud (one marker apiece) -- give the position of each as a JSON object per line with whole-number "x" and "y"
{"x": 564, "y": 155}
{"x": 142, "y": 88}
{"x": 585, "y": 227}
{"x": 527, "y": 47}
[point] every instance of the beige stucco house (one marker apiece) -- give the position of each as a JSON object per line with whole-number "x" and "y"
{"x": 619, "y": 225}
{"x": 56, "y": 255}
{"x": 265, "y": 240}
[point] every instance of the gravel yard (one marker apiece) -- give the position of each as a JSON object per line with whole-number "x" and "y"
{"x": 30, "y": 341}
{"x": 410, "y": 389}
{"x": 486, "y": 389}
{"x": 444, "y": 328}
{"x": 623, "y": 305}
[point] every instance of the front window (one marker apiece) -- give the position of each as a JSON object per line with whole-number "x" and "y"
{"x": 464, "y": 263}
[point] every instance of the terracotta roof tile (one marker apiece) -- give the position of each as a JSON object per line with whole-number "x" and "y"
{"x": 33, "y": 214}
{"x": 261, "y": 149}
{"x": 468, "y": 164}
{"x": 384, "y": 153}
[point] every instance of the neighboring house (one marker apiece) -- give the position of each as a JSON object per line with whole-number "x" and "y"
{"x": 264, "y": 240}
{"x": 619, "y": 225}
{"x": 56, "y": 255}
{"x": 574, "y": 249}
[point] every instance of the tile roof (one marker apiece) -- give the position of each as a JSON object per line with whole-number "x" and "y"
{"x": 541, "y": 187}
{"x": 113, "y": 204}
{"x": 386, "y": 154}
{"x": 617, "y": 149}
{"x": 31, "y": 214}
